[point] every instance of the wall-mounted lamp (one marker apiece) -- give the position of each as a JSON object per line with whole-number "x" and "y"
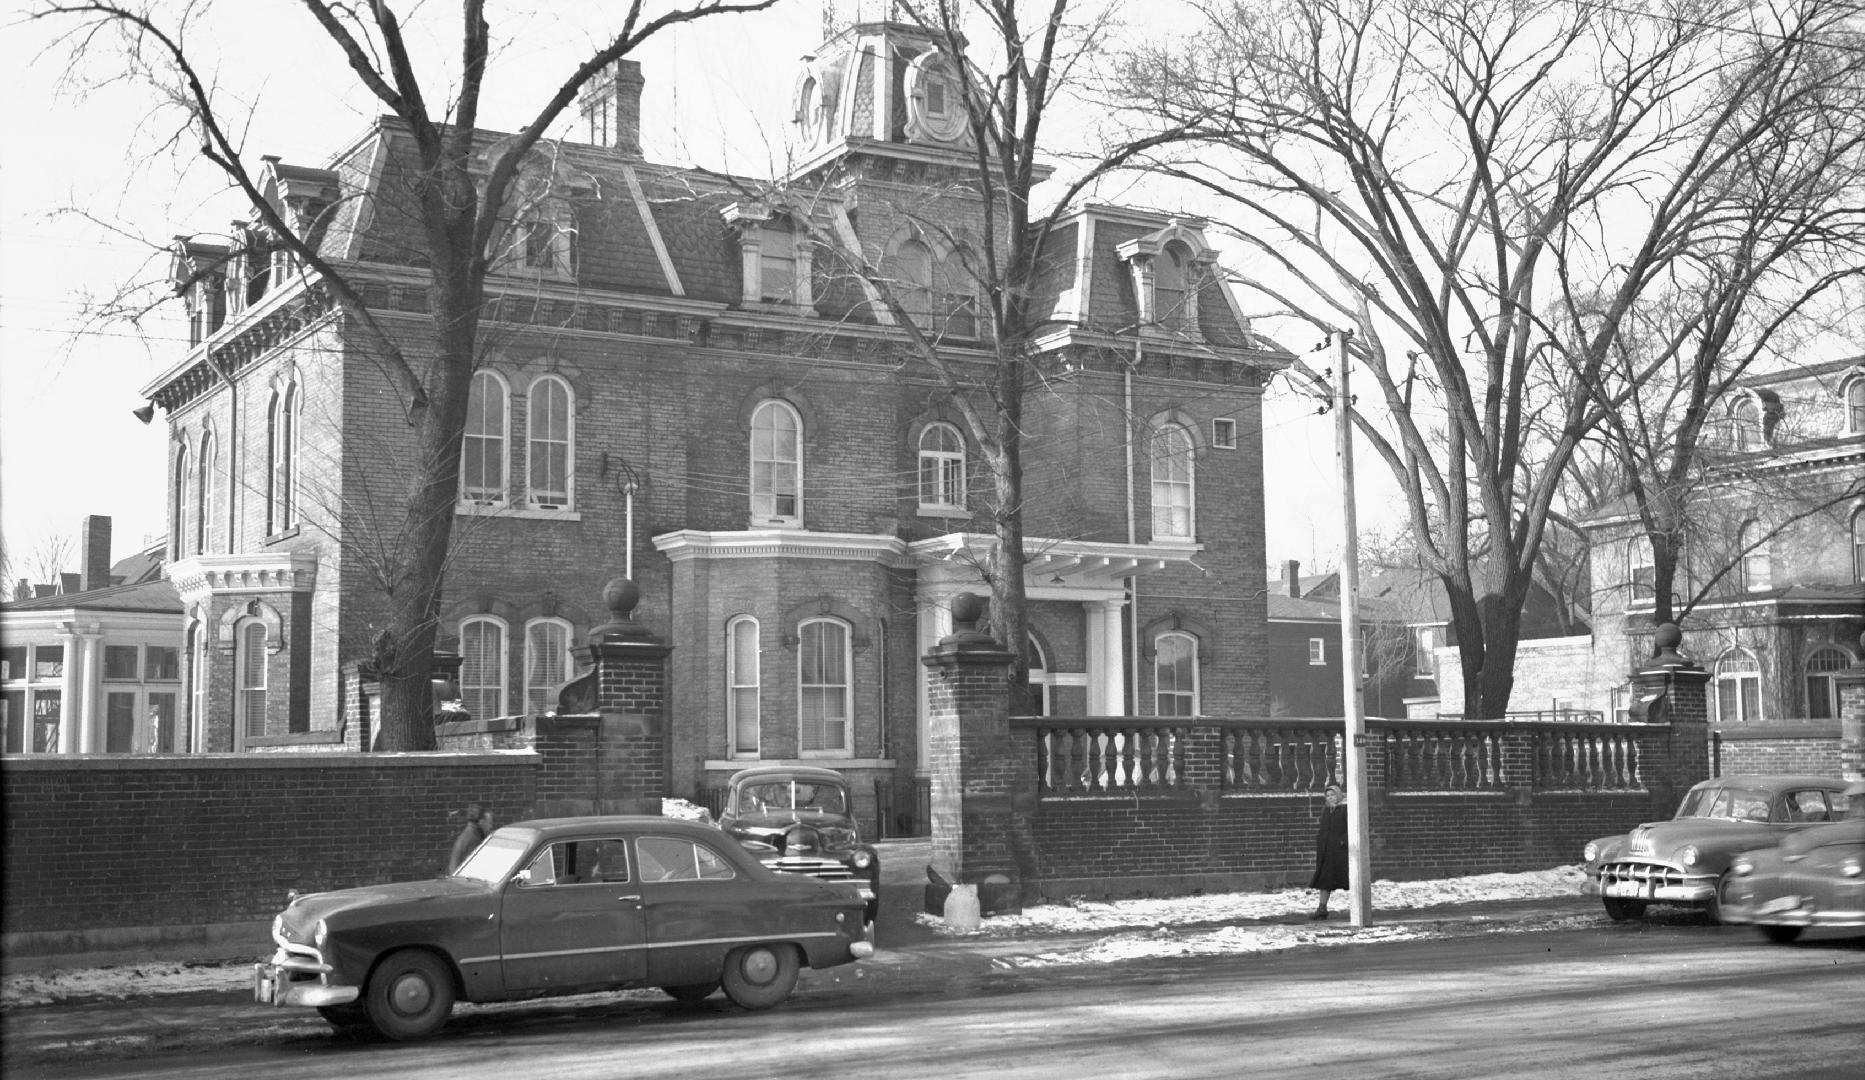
{"x": 145, "y": 412}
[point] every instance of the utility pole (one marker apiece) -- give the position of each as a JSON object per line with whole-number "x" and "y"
{"x": 1353, "y": 690}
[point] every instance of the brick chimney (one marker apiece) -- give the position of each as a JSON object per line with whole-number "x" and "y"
{"x": 94, "y": 549}
{"x": 1292, "y": 576}
{"x": 610, "y": 106}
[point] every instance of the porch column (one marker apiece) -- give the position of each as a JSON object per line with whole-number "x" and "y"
{"x": 1107, "y": 659}
{"x": 933, "y": 623}
{"x": 89, "y": 723}
{"x": 1851, "y": 683}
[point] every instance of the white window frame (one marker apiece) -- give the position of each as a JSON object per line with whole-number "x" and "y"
{"x": 1427, "y": 650}
{"x": 1738, "y": 687}
{"x": 478, "y": 687}
{"x": 183, "y": 463}
{"x": 203, "y": 527}
{"x": 1172, "y": 492}
{"x": 942, "y": 470}
{"x": 282, "y": 423}
{"x": 537, "y": 690}
{"x": 1757, "y": 566}
{"x": 744, "y": 691}
{"x": 250, "y": 677}
{"x": 499, "y": 443}
{"x": 1852, "y": 399}
{"x": 1317, "y": 652}
{"x": 777, "y": 249}
{"x": 1041, "y": 680}
{"x": 1858, "y": 545}
{"x": 1173, "y": 265}
{"x": 820, "y": 682}
{"x": 765, "y": 495}
{"x": 1223, "y": 433}
{"x": 1745, "y": 424}
{"x": 1640, "y": 570}
{"x": 544, "y": 391}
{"x": 1168, "y": 649}
{"x": 1820, "y": 665}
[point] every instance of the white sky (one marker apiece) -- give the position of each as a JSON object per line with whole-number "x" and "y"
{"x": 717, "y": 95}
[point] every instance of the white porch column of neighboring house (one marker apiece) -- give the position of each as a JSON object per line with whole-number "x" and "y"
{"x": 1107, "y": 661}
{"x": 78, "y": 689}
{"x": 934, "y": 622}
{"x": 90, "y": 724}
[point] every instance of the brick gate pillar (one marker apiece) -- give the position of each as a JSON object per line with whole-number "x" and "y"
{"x": 983, "y": 790}
{"x": 1851, "y": 683}
{"x": 624, "y": 689}
{"x": 1670, "y": 689}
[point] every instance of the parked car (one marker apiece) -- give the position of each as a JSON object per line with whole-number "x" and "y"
{"x": 561, "y": 906}
{"x": 800, "y": 820}
{"x": 1815, "y": 877}
{"x": 1682, "y": 861}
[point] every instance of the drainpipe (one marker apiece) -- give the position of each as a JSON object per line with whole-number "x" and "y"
{"x": 1133, "y": 581}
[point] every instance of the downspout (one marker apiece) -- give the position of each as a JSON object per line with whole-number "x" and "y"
{"x": 1133, "y": 581}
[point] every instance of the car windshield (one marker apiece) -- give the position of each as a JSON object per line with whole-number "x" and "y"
{"x": 494, "y": 859}
{"x": 1729, "y": 803}
{"x": 781, "y": 795}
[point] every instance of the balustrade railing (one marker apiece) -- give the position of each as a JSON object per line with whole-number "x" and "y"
{"x": 1593, "y": 758}
{"x": 1445, "y": 757}
{"x": 1289, "y": 759}
{"x": 1110, "y": 756}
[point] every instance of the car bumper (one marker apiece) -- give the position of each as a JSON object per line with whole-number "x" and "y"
{"x": 1691, "y": 891}
{"x": 291, "y": 979}
{"x": 1793, "y": 900}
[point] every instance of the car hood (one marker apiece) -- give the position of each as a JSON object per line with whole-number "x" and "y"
{"x": 1662, "y": 839}
{"x": 359, "y": 904}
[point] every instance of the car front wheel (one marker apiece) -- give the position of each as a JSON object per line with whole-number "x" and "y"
{"x": 760, "y": 976}
{"x": 1782, "y": 935}
{"x": 1619, "y": 910}
{"x": 409, "y": 996}
{"x": 1713, "y": 907}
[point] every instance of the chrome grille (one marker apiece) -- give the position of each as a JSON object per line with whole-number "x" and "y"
{"x": 1641, "y": 872}
{"x": 822, "y": 869}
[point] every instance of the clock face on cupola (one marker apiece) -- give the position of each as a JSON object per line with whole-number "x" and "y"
{"x": 880, "y": 82}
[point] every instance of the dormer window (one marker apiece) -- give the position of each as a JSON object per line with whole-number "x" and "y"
{"x": 1855, "y": 405}
{"x": 1171, "y": 273}
{"x": 934, "y": 114}
{"x": 547, "y": 247}
{"x": 936, "y": 293}
{"x": 775, "y": 256}
{"x": 1745, "y": 424}
{"x": 1168, "y": 267}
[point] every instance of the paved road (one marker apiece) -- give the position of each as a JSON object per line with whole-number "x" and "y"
{"x": 1651, "y": 1001}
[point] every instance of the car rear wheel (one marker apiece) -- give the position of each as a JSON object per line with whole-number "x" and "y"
{"x": 1781, "y": 935}
{"x": 692, "y": 993}
{"x": 1619, "y": 910}
{"x": 760, "y": 976}
{"x": 410, "y": 995}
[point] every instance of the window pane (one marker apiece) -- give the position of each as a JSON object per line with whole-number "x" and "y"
{"x": 547, "y": 664}
{"x": 119, "y": 723}
{"x": 120, "y": 661}
{"x": 48, "y": 709}
{"x": 253, "y": 678}
{"x": 164, "y": 662}
{"x": 13, "y": 662}
{"x": 482, "y": 668}
{"x": 744, "y": 679}
{"x": 13, "y": 714}
{"x": 550, "y": 443}
{"x": 162, "y": 723}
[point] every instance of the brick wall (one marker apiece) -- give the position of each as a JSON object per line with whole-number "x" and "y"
{"x": 119, "y": 842}
{"x": 1807, "y": 747}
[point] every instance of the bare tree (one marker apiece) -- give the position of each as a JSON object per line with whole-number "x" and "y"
{"x": 1487, "y": 192}
{"x": 463, "y": 216}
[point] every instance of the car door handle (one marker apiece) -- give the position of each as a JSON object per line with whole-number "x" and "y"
{"x": 629, "y": 899}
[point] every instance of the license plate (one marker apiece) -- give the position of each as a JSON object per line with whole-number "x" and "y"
{"x": 1622, "y": 888}
{"x": 1778, "y": 905}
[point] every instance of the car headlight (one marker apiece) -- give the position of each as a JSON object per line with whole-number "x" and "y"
{"x": 1592, "y": 851}
{"x": 1852, "y": 867}
{"x": 320, "y": 934}
{"x": 1688, "y": 855}
{"x": 1742, "y": 866}
{"x": 863, "y": 860}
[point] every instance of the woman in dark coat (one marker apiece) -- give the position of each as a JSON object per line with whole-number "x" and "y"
{"x": 1330, "y": 849}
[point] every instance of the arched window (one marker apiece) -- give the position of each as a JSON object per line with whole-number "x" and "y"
{"x": 1738, "y": 687}
{"x": 776, "y": 464}
{"x": 482, "y": 666}
{"x": 551, "y": 427}
{"x": 204, "y": 490}
{"x": 250, "y": 636}
{"x": 1855, "y": 406}
{"x": 197, "y": 690}
{"x": 743, "y": 675}
{"x": 913, "y": 281}
{"x": 1175, "y": 674}
{"x": 547, "y": 663}
{"x": 1172, "y": 483}
{"x": 482, "y": 453}
{"x": 282, "y": 471}
{"x": 180, "y": 510}
{"x": 1745, "y": 424}
{"x": 1858, "y": 545}
{"x": 823, "y": 688}
{"x": 1822, "y": 690}
{"x": 1040, "y": 679}
{"x": 1640, "y": 574}
{"x": 942, "y": 467}
{"x": 1172, "y": 271}
{"x": 1752, "y": 549}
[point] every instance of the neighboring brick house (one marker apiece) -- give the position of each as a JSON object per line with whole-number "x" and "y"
{"x": 677, "y": 383}
{"x": 92, "y": 664}
{"x": 1787, "y": 454}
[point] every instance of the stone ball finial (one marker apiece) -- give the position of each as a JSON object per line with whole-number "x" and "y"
{"x": 621, "y": 595}
{"x": 967, "y": 609}
{"x": 1667, "y": 638}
